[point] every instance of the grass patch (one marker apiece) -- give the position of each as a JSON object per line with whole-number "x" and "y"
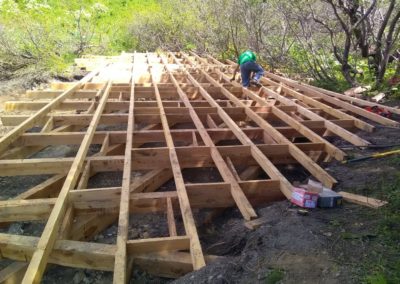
{"x": 274, "y": 276}
{"x": 384, "y": 267}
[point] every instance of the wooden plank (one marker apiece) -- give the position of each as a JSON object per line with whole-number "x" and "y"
{"x": 57, "y": 165}
{"x": 362, "y": 200}
{"x": 39, "y": 259}
{"x": 352, "y": 100}
{"x": 146, "y": 136}
{"x": 67, "y": 253}
{"x": 11, "y": 136}
{"x": 51, "y": 94}
{"x": 96, "y": 256}
{"x": 190, "y": 157}
{"x": 89, "y": 201}
{"x": 120, "y": 266}
{"x": 256, "y": 223}
{"x": 25, "y": 210}
{"x": 187, "y": 216}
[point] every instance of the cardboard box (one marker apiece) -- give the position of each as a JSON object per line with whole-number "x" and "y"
{"x": 304, "y": 198}
{"x": 314, "y": 186}
{"x": 329, "y": 199}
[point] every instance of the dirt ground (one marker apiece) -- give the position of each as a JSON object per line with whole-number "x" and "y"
{"x": 324, "y": 246}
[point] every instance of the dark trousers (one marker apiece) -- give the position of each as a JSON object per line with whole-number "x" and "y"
{"x": 247, "y": 68}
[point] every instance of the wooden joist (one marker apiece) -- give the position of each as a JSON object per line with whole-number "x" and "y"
{"x": 243, "y": 204}
{"x": 335, "y": 101}
{"x": 187, "y": 216}
{"x": 39, "y": 258}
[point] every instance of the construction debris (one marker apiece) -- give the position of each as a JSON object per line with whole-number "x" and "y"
{"x": 379, "y": 97}
{"x": 150, "y": 118}
{"x": 357, "y": 91}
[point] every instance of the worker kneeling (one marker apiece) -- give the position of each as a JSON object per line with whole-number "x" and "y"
{"x": 247, "y": 64}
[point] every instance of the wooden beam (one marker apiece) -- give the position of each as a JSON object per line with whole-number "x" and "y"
{"x": 120, "y": 266}
{"x": 95, "y": 256}
{"x": 67, "y": 253}
{"x": 39, "y": 259}
{"x": 187, "y": 216}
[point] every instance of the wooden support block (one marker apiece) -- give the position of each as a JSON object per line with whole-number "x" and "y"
{"x": 66, "y": 225}
{"x": 195, "y": 143}
{"x": 105, "y": 144}
{"x": 256, "y": 223}
{"x": 86, "y": 174}
{"x": 232, "y": 168}
{"x": 171, "y": 218}
{"x": 173, "y": 243}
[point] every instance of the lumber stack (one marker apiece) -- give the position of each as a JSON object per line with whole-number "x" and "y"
{"x": 154, "y": 116}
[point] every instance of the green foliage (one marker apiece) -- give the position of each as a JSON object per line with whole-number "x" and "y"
{"x": 385, "y": 267}
{"x": 50, "y": 34}
{"x": 274, "y": 276}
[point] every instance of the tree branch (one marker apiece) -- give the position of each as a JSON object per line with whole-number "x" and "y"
{"x": 370, "y": 9}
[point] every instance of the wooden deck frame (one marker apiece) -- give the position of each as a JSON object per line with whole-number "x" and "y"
{"x": 334, "y": 100}
{"x": 303, "y": 159}
{"x": 174, "y": 116}
{"x": 330, "y": 126}
{"x": 241, "y": 200}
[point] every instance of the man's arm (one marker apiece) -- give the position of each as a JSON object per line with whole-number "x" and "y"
{"x": 234, "y": 72}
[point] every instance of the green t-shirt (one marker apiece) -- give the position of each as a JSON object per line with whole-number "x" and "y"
{"x": 246, "y": 57}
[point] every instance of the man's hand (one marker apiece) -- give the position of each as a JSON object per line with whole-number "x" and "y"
{"x": 232, "y": 79}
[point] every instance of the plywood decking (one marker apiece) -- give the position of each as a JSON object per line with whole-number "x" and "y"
{"x": 151, "y": 117}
